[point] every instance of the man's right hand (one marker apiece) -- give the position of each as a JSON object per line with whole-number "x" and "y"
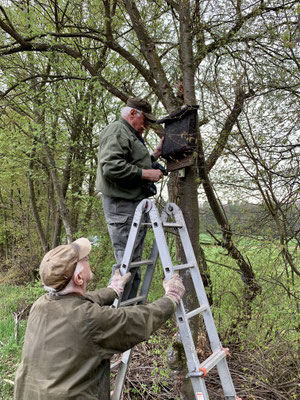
{"x": 118, "y": 282}
{"x": 152, "y": 175}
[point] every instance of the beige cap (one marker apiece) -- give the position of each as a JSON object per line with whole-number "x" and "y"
{"x": 58, "y": 265}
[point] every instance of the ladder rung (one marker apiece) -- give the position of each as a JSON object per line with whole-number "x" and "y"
{"x": 172, "y": 225}
{"x": 165, "y": 224}
{"x": 212, "y": 361}
{"x": 196, "y": 311}
{"x": 132, "y": 301}
{"x": 139, "y": 263}
{"x": 183, "y": 266}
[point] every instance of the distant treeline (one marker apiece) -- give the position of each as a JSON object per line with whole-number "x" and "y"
{"x": 248, "y": 219}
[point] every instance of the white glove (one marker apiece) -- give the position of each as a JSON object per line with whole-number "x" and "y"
{"x": 174, "y": 288}
{"x": 118, "y": 282}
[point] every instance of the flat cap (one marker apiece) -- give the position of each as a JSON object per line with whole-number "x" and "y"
{"x": 58, "y": 265}
{"x": 142, "y": 105}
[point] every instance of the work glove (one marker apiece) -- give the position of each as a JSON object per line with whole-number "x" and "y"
{"x": 174, "y": 288}
{"x": 118, "y": 282}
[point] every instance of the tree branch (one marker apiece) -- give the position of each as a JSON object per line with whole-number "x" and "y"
{"x": 11, "y": 31}
{"x": 229, "y": 36}
{"x": 226, "y": 131}
{"x": 148, "y": 49}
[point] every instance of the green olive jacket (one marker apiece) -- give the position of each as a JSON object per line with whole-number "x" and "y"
{"x": 70, "y": 339}
{"x": 121, "y": 158}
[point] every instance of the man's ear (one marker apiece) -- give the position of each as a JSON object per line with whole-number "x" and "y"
{"x": 132, "y": 112}
{"x": 78, "y": 279}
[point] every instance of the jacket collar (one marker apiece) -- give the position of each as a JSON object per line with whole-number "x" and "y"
{"x": 76, "y": 295}
{"x": 136, "y": 133}
{"x": 123, "y": 121}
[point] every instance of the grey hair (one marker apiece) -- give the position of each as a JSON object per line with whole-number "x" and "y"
{"x": 50, "y": 290}
{"x": 126, "y": 110}
{"x": 70, "y": 286}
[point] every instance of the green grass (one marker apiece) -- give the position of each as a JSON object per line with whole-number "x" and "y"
{"x": 12, "y": 299}
{"x": 274, "y": 311}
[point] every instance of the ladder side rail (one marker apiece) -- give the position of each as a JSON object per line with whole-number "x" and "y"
{"x": 193, "y": 363}
{"x": 222, "y": 366}
{"x": 135, "y": 227}
{"x": 132, "y": 237}
{"x": 149, "y": 272}
{"x": 196, "y": 277}
{"x": 183, "y": 325}
{"x": 147, "y": 279}
{"x": 187, "y": 339}
{"x": 227, "y": 384}
{"x": 161, "y": 242}
{"x": 130, "y": 245}
{"x": 121, "y": 375}
{"x": 182, "y": 321}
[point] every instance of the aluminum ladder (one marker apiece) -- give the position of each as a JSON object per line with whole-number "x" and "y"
{"x": 196, "y": 370}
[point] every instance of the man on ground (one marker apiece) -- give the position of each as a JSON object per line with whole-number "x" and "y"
{"x": 71, "y": 334}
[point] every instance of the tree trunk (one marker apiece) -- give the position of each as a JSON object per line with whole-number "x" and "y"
{"x": 34, "y": 209}
{"x": 62, "y": 204}
{"x": 187, "y": 189}
{"x": 4, "y": 248}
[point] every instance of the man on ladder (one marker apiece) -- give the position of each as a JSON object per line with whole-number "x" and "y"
{"x": 126, "y": 174}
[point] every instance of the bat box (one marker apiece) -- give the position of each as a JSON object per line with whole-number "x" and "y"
{"x": 180, "y": 137}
